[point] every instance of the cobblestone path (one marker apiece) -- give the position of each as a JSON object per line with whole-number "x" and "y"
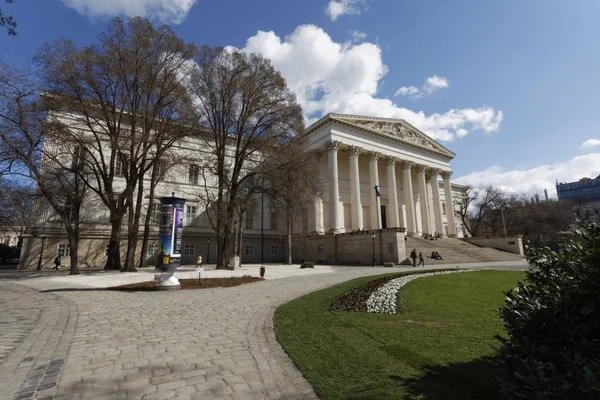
{"x": 187, "y": 344}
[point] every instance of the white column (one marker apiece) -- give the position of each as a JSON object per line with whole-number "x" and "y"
{"x": 449, "y": 204}
{"x": 355, "y": 205}
{"x": 411, "y": 228}
{"x": 430, "y": 201}
{"x": 334, "y": 189}
{"x": 392, "y": 192}
{"x": 423, "y": 199}
{"x": 319, "y": 222}
{"x": 374, "y": 181}
{"x": 437, "y": 204}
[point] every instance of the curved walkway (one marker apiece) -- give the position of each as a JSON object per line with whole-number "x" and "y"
{"x": 197, "y": 344}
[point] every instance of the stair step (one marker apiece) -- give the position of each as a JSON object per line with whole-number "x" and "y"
{"x": 457, "y": 251}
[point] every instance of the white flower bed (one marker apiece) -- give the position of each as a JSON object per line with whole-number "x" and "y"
{"x": 383, "y": 300}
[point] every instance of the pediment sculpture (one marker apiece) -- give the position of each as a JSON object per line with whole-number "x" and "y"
{"x": 398, "y": 130}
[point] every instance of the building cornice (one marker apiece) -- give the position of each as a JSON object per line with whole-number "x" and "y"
{"x": 339, "y": 119}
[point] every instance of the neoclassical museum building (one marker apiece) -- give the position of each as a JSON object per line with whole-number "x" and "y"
{"x": 384, "y": 180}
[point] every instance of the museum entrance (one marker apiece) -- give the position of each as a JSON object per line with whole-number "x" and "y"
{"x": 383, "y": 218}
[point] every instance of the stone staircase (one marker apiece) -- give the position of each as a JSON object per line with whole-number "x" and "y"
{"x": 456, "y": 251}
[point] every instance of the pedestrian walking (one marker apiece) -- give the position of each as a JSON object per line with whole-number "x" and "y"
{"x": 56, "y": 262}
{"x": 199, "y": 261}
{"x": 413, "y": 255}
{"x": 421, "y": 259}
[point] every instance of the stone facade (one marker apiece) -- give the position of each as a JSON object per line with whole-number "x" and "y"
{"x": 355, "y": 154}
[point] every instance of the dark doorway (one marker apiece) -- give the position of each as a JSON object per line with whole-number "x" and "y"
{"x": 383, "y": 218}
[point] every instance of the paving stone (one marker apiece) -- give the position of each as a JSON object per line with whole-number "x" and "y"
{"x": 203, "y": 344}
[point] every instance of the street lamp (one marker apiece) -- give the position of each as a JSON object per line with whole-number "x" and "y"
{"x": 373, "y": 236}
{"x": 208, "y": 250}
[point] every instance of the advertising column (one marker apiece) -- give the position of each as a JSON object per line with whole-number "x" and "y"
{"x": 169, "y": 242}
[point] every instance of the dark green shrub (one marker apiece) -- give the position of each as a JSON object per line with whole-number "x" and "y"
{"x": 553, "y": 324}
{"x": 307, "y": 264}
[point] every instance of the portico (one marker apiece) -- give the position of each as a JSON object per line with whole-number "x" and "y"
{"x": 403, "y": 162}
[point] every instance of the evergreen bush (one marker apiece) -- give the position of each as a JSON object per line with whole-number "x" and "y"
{"x": 553, "y": 322}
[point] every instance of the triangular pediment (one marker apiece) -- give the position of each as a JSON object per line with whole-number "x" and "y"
{"x": 397, "y": 129}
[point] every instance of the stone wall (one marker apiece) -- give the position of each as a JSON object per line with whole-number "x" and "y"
{"x": 92, "y": 250}
{"x": 356, "y": 248}
{"x": 510, "y": 244}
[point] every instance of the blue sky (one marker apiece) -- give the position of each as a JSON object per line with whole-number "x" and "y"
{"x": 513, "y": 85}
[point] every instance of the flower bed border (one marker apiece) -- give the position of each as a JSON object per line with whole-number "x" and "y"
{"x": 356, "y": 298}
{"x": 384, "y": 300}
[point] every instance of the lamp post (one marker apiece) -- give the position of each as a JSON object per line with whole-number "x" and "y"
{"x": 208, "y": 250}
{"x": 373, "y": 236}
{"x": 39, "y": 266}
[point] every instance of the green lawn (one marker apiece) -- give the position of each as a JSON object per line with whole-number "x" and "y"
{"x": 438, "y": 347}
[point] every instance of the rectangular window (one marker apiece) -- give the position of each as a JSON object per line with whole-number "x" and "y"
{"x": 275, "y": 249}
{"x": 249, "y": 220}
{"x": 155, "y": 212}
{"x": 249, "y": 251}
{"x": 161, "y": 170}
{"x": 190, "y": 215}
{"x": 120, "y": 165}
{"x": 304, "y": 220}
{"x": 152, "y": 249}
{"x": 194, "y": 174}
{"x": 321, "y": 249}
{"x": 63, "y": 250}
{"x": 273, "y": 221}
{"x": 77, "y": 162}
{"x": 443, "y": 208}
{"x": 189, "y": 249}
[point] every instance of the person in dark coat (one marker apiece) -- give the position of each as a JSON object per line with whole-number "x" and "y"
{"x": 413, "y": 255}
{"x": 421, "y": 259}
{"x": 56, "y": 262}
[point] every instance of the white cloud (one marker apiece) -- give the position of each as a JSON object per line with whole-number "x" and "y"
{"x": 590, "y": 143}
{"x": 358, "y": 36}
{"x": 410, "y": 91}
{"x": 344, "y": 7}
{"x": 431, "y": 85}
{"x": 435, "y": 83}
{"x": 535, "y": 180}
{"x": 167, "y": 11}
{"x": 344, "y": 77}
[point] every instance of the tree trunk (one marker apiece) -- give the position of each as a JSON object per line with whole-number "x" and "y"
{"x": 113, "y": 260}
{"x": 289, "y": 236}
{"x": 74, "y": 250}
{"x": 147, "y": 220}
{"x": 240, "y": 237}
{"x": 224, "y": 243}
{"x": 133, "y": 231}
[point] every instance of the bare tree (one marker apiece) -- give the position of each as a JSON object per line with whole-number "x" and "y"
{"x": 476, "y": 206}
{"x": 47, "y": 159}
{"x": 292, "y": 181}
{"x": 123, "y": 101}
{"x": 246, "y": 110}
{"x": 17, "y": 208}
{"x": 7, "y": 21}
